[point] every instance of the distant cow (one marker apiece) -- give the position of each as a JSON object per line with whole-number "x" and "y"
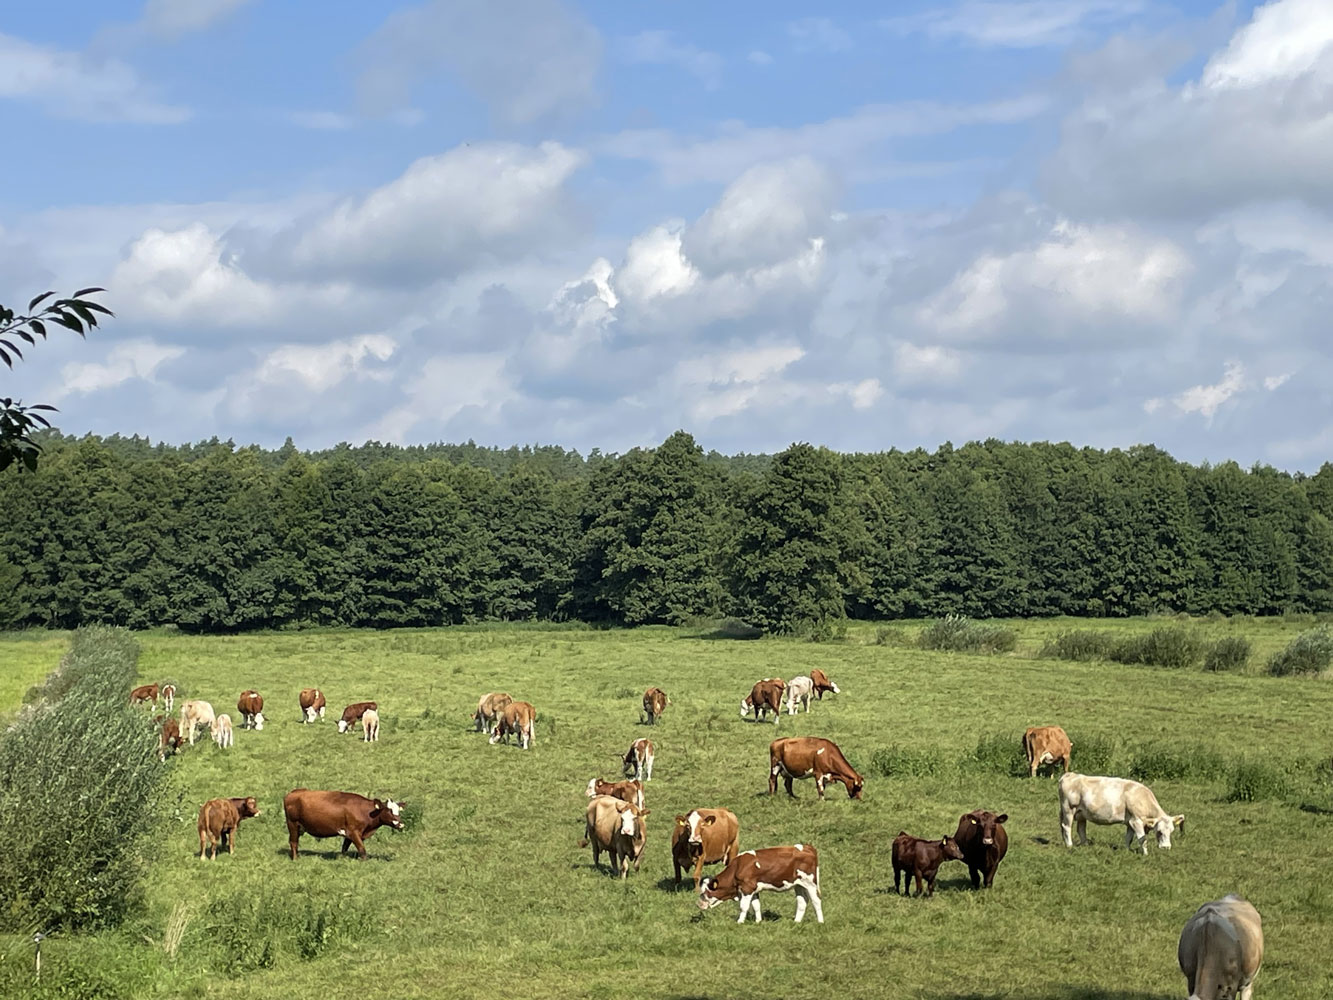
{"x": 777, "y": 868}
{"x": 352, "y": 715}
{"x": 195, "y": 713}
{"x": 811, "y": 757}
{"x": 921, "y": 859}
{"x": 799, "y": 690}
{"x": 168, "y": 695}
{"x": 638, "y": 760}
{"x": 370, "y": 726}
{"x": 312, "y": 704}
{"x": 1044, "y": 745}
{"x": 704, "y": 837}
{"x": 822, "y": 683}
{"x": 144, "y": 693}
{"x": 765, "y": 696}
{"x": 655, "y": 702}
{"x": 222, "y": 731}
{"x": 489, "y": 709}
{"x": 984, "y": 842}
{"x": 517, "y": 719}
{"x": 251, "y": 707}
{"x": 626, "y": 791}
{"x": 1221, "y": 949}
{"x": 218, "y": 820}
{"x": 338, "y": 814}
{"x": 169, "y": 739}
{"x": 1107, "y": 801}
{"x": 617, "y": 827}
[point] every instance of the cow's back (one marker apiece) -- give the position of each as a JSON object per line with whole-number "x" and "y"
{"x": 320, "y": 812}
{"x": 603, "y": 816}
{"x": 1222, "y": 943}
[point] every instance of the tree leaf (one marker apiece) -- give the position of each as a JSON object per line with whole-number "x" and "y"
{"x": 85, "y": 291}
{"x": 35, "y": 302}
{"x": 6, "y": 344}
{"x": 95, "y": 307}
{"x": 41, "y": 406}
{"x": 38, "y": 327}
{"x": 70, "y": 322}
{"x": 25, "y": 335}
{"x": 5, "y": 358}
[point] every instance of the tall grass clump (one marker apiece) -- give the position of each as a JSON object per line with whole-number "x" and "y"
{"x": 999, "y": 753}
{"x": 1079, "y": 644}
{"x": 1172, "y": 762}
{"x": 1230, "y": 653}
{"x": 81, "y": 791}
{"x": 1092, "y": 754}
{"x": 1309, "y": 653}
{"x": 1174, "y": 646}
{"x": 906, "y": 762}
{"x": 960, "y": 634}
{"x": 1253, "y": 780}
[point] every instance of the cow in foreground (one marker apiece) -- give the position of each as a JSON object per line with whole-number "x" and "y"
{"x": 765, "y": 696}
{"x": 352, "y": 714}
{"x": 489, "y": 709}
{"x": 223, "y": 735}
{"x": 1046, "y": 745}
{"x": 169, "y": 739}
{"x": 655, "y": 701}
{"x": 338, "y": 814}
{"x": 982, "y": 839}
{"x": 370, "y": 726}
{"x": 251, "y": 707}
{"x": 1221, "y": 949}
{"x": 799, "y": 692}
{"x": 218, "y": 820}
{"x": 1107, "y": 801}
{"x": 626, "y": 791}
{"x": 776, "y": 868}
{"x": 312, "y": 705}
{"x": 195, "y": 713}
{"x": 638, "y": 760}
{"x": 144, "y": 693}
{"x": 704, "y": 837}
{"x": 822, "y": 683}
{"x": 921, "y": 859}
{"x": 811, "y": 757}
{"x": 618, "y": 828}
{"x": 518, "y": 719}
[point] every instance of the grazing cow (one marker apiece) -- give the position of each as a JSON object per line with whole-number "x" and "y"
{"x": 765, "y": 696}
{"x": 1107, "y": 801}
{"x": 251, "y": 706}
{"x": 168, "y": 694}
{"x": 352, "y": 714}
{"x": 655, "y": 701}
{"x": 218, "y": 820}
{"x": 921, "y": 859}
{"x": 370, "y": 726}
{"x": 1044, "y": 745}
{"x": 1221, "y": 949}
{"x": 822, "y": 683}
{"x": 144, "y": 693}
{"x": 489, "y": 709}
{"x": 618, "y": 828}
{"x": 626, "y": 791}
{"x": 170, "y": 738}
{"x": 195, "y": 713}
{"x": 704, "y": 837}
{"x": 811, "y": 757}
{"x": 638, "y": 760}
{"x": 222, "y": 731}
{"x": 312, "y": 704}
{"x": 799, "y": 690}
{"x": 777, "y": 868}
{"x": 982, "y": 839}
{"x": 338, "y": 814}
{"x": 518, "y": 718}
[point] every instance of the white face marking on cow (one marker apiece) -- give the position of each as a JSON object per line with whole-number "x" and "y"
{"x": 1162, "y": 828}
{"x": 342, "y": 725}
{"x": 393, "y": 808}
{"x": 592, "y": 787}
{"x": 627, "y": 822}
{"x": 693, "y": 819}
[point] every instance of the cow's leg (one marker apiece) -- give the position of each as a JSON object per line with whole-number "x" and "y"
{"x": 896, "y": 872}
{"x": 355, "y": 837}
{"x": 1246, "y": 991}
{"x": 231, "y": 841}
{"x": 1082, "y": 829}
{"x": 1032, "y": 767}
{"x": 754, "y": 905}
{"x": 920, "y": 885}
{"x": 814, "y": 898}
{"x": 698, "y": 870}
{"x": 745, "y": 908}
{"x": 1136, "y": 838}
{"x": 975, "y": 873}
{"x": 648, "y": 771}
{"x": 800, "y": 902}
{"x": 819, "y": 785}
{"x": 990, "y": 875}
{"x": 787, "y": 780}
{"x": 772, "y": 780}
{"x": 203, "y": 840}
{"x": 293, "y": 835}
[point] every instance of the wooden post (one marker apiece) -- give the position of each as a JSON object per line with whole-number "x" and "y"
{"x": 37, "y": 940}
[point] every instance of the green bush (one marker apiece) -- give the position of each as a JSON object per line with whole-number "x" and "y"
{"x": 1254, "y": 780}
{"x": 1309, "y": 653}
{"x": 824, "y": 630}
{"x": 1168, "y": 762}
{"x": 960, "y": 634}
{"x": 1231, "y": 653}
{"x": 1079, "y": 644}
{"x": 245, "y": 931}
{"x": 999, "y": 753}
{"x": 1174, "y": 646}
{"x": 890, "y": 635}
{"x": 1092, "y": 754}
{"x": 906, "y": 762}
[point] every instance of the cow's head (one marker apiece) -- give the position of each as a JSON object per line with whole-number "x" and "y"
{"x": 952, "y": 852}
{"x": 592, "y": 786}
{"x": 259, "y": 720}
{"x": 1164, "y": 827}
{"x": 389, "y": 812}
{"x": 746, "y": 703}
{"x": 249, "y": 807}
{"x": 631, "y": 825}
{"x": 697, "y": 825}
{"x": 710, "y": 895}
{"x": 855, "y": 785}
{"x": 985, "y": 823}
{"x": 344, "y": 726}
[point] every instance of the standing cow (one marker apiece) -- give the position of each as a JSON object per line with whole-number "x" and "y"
{"x": 144, "y": 694}
{"x": 519, "y": 719}
{"x": 222, "y": 731}
{"x": 638, "y": 760}
{"x": 1107, "y": 801}
{"x": 1221, "y": 949}
{"x": 352, "y": 715}
{"x": 822, "y": 683}
{"x": 489, "y": 709}
{"x": 765, "y": 696}
{"x": 168, "y": 695}
{"x": 655, "y": 701}
{"x": 778, "y": 868}
{"x": 312, "y": 704}
{"x": 921, "y": 859}
{"x": 370, "y": 726}
{"x": 195, "y": 713}
{"x": 338, "y": 814}
{"x": 704, "y": 837}
{"x": 811, "y": 757}
{"x": 251, "y": 707}
{"x": 982, "y": 839}
{"x": 799, "y": 691}
{"x": 626, "y": 791}
{"x": 618, "y": 828}
{"x": 169, "y": 739}
{"x": 218, "y": 820}
{"x": 1046, "y": 745}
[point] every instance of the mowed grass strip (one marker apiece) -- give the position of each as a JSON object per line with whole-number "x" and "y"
{"x": 489, "y": 892}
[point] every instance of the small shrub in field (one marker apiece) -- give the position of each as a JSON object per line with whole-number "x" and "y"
{"x": 905, "y": 762}
{"x": 1079, "y": 644}
{"x": 1254, "y": 780}
{"x": 1231, "y": 653}
{"x": 1167, "y": 646}
{"x": 887, "y": 635}
{"x": 825, "y": 630}
{"x": 960, "y": 634}
{"x": 1091, "y": 754}
{"x": 1309, "y": 653}
{"x": 1165, "y": 762}
{"x": 999, "y": 753}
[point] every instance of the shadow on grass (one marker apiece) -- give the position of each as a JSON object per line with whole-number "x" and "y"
{"x": 1058, "y": 993}
{"x": 1310, "y": 807}
{"x": 333, "y": 855}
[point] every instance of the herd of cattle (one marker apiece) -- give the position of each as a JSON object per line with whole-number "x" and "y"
{"x": 1220, "y": 949}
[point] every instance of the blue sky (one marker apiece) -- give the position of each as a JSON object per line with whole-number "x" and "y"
{"x": 864, "y": 225}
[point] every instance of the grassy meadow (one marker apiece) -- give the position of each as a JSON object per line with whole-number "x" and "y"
{"x": 487, "y": 894}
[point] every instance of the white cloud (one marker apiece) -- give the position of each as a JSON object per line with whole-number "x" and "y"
{"x": 862, "y": 395}
{"x": 445, "y": 387}
{"x": 1021, "y": 24}
{"x": 324, "y": 120}
{"x": 1285, "y": 39}
{"x": 760, "y": 58}
{"x": 127, "y": 360}
{"x": 319, "y": 367}
{"x": 170, "y": 19}
{"x": 931, "y": 362}
{"x": 656, "y": 266}
{"x": 818, "y": 34}
{"x": 1272, "y": 382}
{"x": 663, "y": 48}
{"x": 1206, "y": 399}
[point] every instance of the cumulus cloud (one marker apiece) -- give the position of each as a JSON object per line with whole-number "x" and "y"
{"x": 320, "y": 367}
{"x": 129, "y": 359}
{"x": 1205, "y": 400}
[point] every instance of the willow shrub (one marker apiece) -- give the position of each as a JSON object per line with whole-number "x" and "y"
{"x": 960, "y": 634}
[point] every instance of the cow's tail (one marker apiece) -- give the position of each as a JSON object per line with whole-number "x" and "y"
{"x": 1027, "y": 745}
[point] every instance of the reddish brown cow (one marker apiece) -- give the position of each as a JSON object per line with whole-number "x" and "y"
{"x": 625, "y": 791}
{"x": 352, "y": 715}
{"x": 312, "y": 704}
{"x": 766, "y": 696}
{"x": 144, "y": 692}
{"x": 218, "y": 820}
{"x": 655, "y": 702}
{"x": 1046, "y": 745}
{"x": 338, "y": 814}
{"x": 704, "y": 837}
{"x": 921, "y": 859}
{"x": 982, "y": 839}
{"x": 169, "y": 739}
{"x": 811, "y": 757}
{"x": 251, "y": 706}
{"x": 779, "y": 868}
{"x": 822, "y": 683}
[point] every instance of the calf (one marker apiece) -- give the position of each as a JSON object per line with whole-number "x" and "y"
{"x": 822, "y": 683}
{"x": 144, "y": 693}
{"x": 655, "y": 702}
{"x": 338, "y": 814}
{"x": 1221, "y": 949}
{"x": 168, "y": 695}
{"x": 169, "y": 739}
{"x": 776, "y": 868}
{"x": 638, "y": 760}
{"x": 251, "y": 706}
{"x": 520, "y": 719}
{"x": 195, "y": 713}
{"x": 1044, "y": 745}
{"x": 218, "y": 820}
{"x": 370, "y": 726}
{"x": 489, "y": 709}
{"x": 765, "y": 696}
{"x": 222, "y": 731}
{"x": 704, "y": 837}
{"x": 799, "y": 690}
{"x": 352, "y": 714}
{"x": 618, "y": 828}
{"x": 1107, "y": 801}
{"x": 626, "y": 791}
{"x": 811, "y": 757}
{"x": 312, "y": 704}
{"x": 921, "y": 859}
{"x": 982, "y": 839}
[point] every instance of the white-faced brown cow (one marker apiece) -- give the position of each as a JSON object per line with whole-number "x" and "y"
{"x": 312, "y": 705}
{"x": 1108, "y": 801}
{"x": 1221, "y": 949}
{"x": 222, "y": 732}
{"x": 617, "y": 827}
{"x": 704, "y": 837}
{"x": 251, "y": 707}
{"x": 1046, "y": 745}
{"x": 517, "y": 719}
{"x": 626, "y": 791}
{"x": 352, "y": 715}
{"x": 338, "y": 814}
{"x": 655, "y": 701}
{"x": 638, "y": 760}
{"x": 822, "y": 683}
{"x": 218, "y": 820}
{"x": 775, "y": 868}
{"x": 195, "y": 713}
{"x": 489, "y": 709}
{"x": 370, "y": 726}
{"x": 765, "y": 696}
{"x": 144, "y": 693}
{"x": 811, "y": 757}
{"x": 168, "y": 695}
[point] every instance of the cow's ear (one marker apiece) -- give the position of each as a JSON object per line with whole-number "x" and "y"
{"x": 644, "y": 812}
{"x": 680, "y": 820}
{"x": 1179, "y": 820}
{"x": 709, "y": 820}
{"x": 376, "y": 806}
{"x": 1002, "y": 818}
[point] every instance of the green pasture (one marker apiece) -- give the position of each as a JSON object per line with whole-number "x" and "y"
{"x": 489, "y": 895}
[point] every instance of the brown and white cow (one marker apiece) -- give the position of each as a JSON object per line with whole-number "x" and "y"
{"x": 518, "y": 719}
{"x": 984, "y": 842}
{"x": 811, "y": 757}
{"x": 704, "y": 837}
{"x": 489, "y": 709}
{"x": 195, "y": 713}
{"x": 765, "y": 696}
{"x": 144, "y": 693}
{"x": 921, "y": 859}
{"x": 338, "y": 814}
{"x": 222, "y": 731}
{"x": 218, "y": 820}
{"x": 169, "y": 739}
{"x": 352, "y": 715}
{"x": 370, "y": 726}
{"x": 617, "y": 827}
{"x": 655, "y": 701}
{"x": 638, "y": 760}
{"x": 626, "y": 791}
{"x": 775, "y": 868}
{"x": 1044, "y": 745}
{"x": 251, "y": 707}
{"x": 168, "y": 696}
{"x": 312, "y": 704}
{"x": 822, "y": 683}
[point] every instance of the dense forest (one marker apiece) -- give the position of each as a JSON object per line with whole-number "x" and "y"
{"x": 215, "y": 537}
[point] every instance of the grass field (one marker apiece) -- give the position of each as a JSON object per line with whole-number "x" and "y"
{"x": 488, "y": 894}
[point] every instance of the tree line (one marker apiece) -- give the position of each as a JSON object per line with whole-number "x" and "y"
{"x": 215, "y": 537}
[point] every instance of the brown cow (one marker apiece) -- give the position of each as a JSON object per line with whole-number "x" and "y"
{"x": 251, "y": 707}
{"x": 822, "y": 683}
{"x": 638, "y": 760}
{"x": 489, "y": 708}
{"x": 811, "y": 757}
{"x": 144, "y": 692}
{"x": 704, "y": 837}
{"x": 312, "y": 704}
{"x": 921, "y": 859}
{"x": 655, "y": 701}
{"x": 170, "y": 738}
{"x": 765, "y": 696}
{"x": 982, "y": 839}
{"x": 1046, "y": 745}
{"x": 338, "y": 814}
{"x": 520, "y": 719}
{"x": 218, "y": 820}
{"x": 617, "y": 827}
{"x": 625, "y": 791}
{"x": 352, "y": 715}
{"x": 779, "y": 868}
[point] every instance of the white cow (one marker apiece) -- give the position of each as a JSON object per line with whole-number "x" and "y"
{"x": 195, "y": 713}
{"x": 370, "y": 725}
{"x": 222, "y": 731}
{"x": 1221, "y": 949}
{"x": 799, "y": 692}
{"x": 1107, "y": 801}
